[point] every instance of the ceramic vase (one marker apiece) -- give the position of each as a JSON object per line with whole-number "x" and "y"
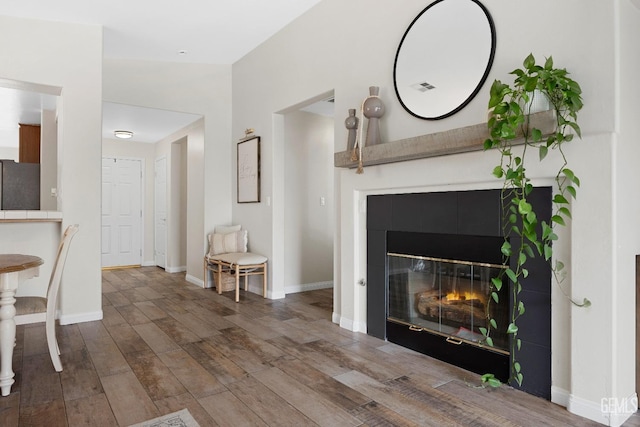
{"x": 373, "y": 110}
{"x": 351, "y": 123}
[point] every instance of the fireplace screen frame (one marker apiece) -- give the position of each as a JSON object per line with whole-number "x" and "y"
{"x": 447, "y": 297}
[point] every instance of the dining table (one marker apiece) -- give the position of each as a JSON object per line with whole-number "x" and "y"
{"x": 14, "y": 270}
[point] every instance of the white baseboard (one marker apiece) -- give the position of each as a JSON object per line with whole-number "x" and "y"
{"x": 610, "y": 412}
{"x": 353, "y": 326}
{"x": 335, "y": 318}
{"x": 192, "y": 279}
{"x": 175, "y": 269}
{"x": 559, "y": 396}
{"x": 308, "y": 287}
{"x": 148, "y": 264}
{"x": 80, "y": 318}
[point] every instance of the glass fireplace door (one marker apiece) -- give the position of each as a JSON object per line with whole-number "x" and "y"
{"x": 446, "y": 297}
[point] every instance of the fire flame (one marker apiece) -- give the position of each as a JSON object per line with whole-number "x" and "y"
{"x": 456, "y": 296}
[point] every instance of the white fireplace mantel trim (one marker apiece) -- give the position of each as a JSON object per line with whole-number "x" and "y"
{"x": 357, "y": 199}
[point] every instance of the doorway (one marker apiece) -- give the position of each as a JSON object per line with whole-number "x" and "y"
{"x": 308, "y": 196}
{"x": 160, "y": 212}
{"x": 121, "y": 212}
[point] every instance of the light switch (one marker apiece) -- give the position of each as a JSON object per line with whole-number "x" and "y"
{"x": 322, "y": 201}
{"x": 54, "y": 192}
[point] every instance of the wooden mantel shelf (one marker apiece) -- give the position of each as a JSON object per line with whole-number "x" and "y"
{"x": 461, "y": 140}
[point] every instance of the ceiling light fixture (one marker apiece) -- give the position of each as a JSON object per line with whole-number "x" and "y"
{"x": 123, "y": 134}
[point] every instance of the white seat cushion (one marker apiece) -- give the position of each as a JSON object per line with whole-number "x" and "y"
{"x": 239, "y": 258}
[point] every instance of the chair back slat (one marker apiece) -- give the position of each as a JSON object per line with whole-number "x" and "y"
{"x": 58, "y": 267}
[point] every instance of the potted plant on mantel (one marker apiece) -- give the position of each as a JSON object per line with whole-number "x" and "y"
{"x": 515, "y": 139}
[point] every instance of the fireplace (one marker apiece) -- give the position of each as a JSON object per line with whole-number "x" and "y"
{"x": 430, "y": 261}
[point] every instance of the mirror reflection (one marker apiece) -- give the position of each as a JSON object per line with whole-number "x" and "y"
{"x": 444, "y": 58}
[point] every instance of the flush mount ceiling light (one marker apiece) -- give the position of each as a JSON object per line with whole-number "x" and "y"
{"x": 123, "y": 134}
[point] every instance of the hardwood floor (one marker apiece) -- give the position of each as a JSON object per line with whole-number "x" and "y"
{"x": 165, "y": 344}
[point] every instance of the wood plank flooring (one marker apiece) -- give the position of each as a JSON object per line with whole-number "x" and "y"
{"x": 165, "y": 345}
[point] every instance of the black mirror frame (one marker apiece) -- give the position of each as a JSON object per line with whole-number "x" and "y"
{"x": 480, "y": 83}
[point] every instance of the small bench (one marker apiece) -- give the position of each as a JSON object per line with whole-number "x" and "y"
{"x": 238, "y": 264}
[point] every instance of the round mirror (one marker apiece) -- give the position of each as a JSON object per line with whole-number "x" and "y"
{"x": 444, "y": 58}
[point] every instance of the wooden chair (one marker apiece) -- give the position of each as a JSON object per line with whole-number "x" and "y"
{"x": 31, "y": 309}
{"x": 235, "y": 263}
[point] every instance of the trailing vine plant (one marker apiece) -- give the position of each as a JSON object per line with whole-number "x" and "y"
{"x": 512, "y": 134}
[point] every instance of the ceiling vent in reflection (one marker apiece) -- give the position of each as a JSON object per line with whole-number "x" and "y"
{"x": 423, "y": 86}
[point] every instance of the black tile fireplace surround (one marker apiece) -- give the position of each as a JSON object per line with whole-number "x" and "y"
{"x": 465, "y": 219}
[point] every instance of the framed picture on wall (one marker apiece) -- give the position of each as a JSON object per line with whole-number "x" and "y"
{"x": 249, "y": 170}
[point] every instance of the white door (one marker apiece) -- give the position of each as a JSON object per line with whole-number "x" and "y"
{"x": 121, "y": 212}
{"x": 161, "y": 212}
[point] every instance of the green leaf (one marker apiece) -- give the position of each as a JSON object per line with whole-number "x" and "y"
{"x": 569, "y": 174}
{"x": 525, "y": 273}
{"x": 501, "y": 108}
{"x": 559, "y": 265}
{"x": 517, "y": 367}
{"x": 497, "y": 93}
{"x": 548, "y": 252}
{"x": 523, "y": 207}
{"x": 531, "y": 83}
{"x": 512, "y": 328}
{"x": 548, "y": 64}
{"x": 498, "y": 172}
{"x": 558, "y": 220}
{"x": 522, "y": 258}
{"x": 483, "y": 331}
{"x": 495, "y": 297}
{"x": 506, "y": 249}
{"x": 528, "y": 250}
{"x": 519, "y": 378}
{"x": 521, "y": 308}
{"x": 529, "y": 62}
{"x": 571, "y": 190}
{"x": 493, "y": 323}
{"x": 490, "y": 380}
{"x": 565, "y": 211}
{"x": 519, "y": 343}
{"x": 542, "y": 151}
{"x": 497, "y": 282}
{"x": 560, "y": 199}
{"x": 536, "y": 135}
{"x": 489, "y": 341}
{"x": 511, "y": 274}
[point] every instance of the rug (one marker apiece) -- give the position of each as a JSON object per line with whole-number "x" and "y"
{"x": 181, "y": 418}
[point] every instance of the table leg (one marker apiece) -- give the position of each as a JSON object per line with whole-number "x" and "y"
{"x": 7, "y": 330}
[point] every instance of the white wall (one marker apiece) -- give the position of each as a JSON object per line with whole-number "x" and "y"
{"x": 9, "y": 153}
{"x": 348, "y": 46}
{"x": 48, "y": 160}
{"x": 191, "y": 88}
{"x": 627, "y": 204}
{"x": 308, "y": 237}
{"x": 68, "y": 56}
